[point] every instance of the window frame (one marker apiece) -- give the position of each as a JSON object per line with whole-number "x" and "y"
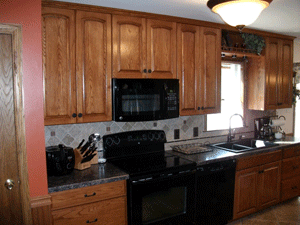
{"x": 243, "y": 79}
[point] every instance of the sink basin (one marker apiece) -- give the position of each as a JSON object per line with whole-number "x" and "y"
{"x": 243, "y": 145}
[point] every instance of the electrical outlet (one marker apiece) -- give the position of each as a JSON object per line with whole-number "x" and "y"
{"x": 52, "y": 134}
{"x": 176, "y": 134}
{"x": 195, "y": 132}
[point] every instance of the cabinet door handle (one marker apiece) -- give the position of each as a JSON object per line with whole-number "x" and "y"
{"x": 80, "y": 115}
{"x": 261, "y": 171}
{"x": 295, "y": 187}
{"x": 279, "y": 103}
{"x": 198, "y": 108}
{"x": 74, "y": 115}
{"x": 90, "y": 195}
{"x": 145, "y": 70}
{"x": 149, "y": 71}
{"x": 95, "y": 220}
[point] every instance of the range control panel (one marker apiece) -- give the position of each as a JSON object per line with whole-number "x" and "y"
{"x": 140, "y": 137}
{"x": 133, "y": 142}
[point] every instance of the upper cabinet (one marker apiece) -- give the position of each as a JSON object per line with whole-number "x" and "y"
{"x": 76, "y": 90}
{"x": 199, "y": 69}
{"x": 270, "y": 77}
{"x": 143, "y": 48}
{"x": 279, "y": 73}
{"x": 59, "y": 65}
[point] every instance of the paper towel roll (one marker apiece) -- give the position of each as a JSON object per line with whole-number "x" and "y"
{"x": 277, "y": 123}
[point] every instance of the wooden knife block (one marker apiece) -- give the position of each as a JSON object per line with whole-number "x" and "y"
{"x": 78, "y": 158}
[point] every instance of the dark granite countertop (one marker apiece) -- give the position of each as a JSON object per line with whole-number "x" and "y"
{"x": 217, "y": 155}
{"x": 96, "y": 174}
{"x": 105, "y": 173}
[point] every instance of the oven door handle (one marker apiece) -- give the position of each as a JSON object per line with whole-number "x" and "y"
{"x": 163, "y": 177}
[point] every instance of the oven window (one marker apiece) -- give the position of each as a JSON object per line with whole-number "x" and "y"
{"x": 133, "y": 104}
{"x": 164, "y": 204}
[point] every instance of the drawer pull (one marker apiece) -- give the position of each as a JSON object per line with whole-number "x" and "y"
{"x": 90, "y": 195}
{"x": 295, "y": 167}
{"x": 295, "y": 187}
{"x": 95, "y": 220}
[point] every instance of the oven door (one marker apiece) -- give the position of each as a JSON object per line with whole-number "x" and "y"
{"x": 165, "y": 200}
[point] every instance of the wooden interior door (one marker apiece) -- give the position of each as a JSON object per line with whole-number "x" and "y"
{"x": 59, "y": 65}
{"x": 93, "y": 66}
{"x": 14, "y": 192}
{"x": 188, "y": 64}
{"x": 129, "y": 47}
{"x": 211, "y": 73}
{"x": 161, "y": 49}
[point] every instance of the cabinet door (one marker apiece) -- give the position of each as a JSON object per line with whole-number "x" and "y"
{"x": 269, "y": 184}
{"x": 58, "y": 65}
{"x": 211, "y": 71}
{"x": 188, "y": 64}
{"x": 245, "y": 196}
{"x": 93, "y": 61}
{"x": 286, "y": 90}
{"x": 273, "y": 73}
{"x": 161, "y": 49}
{"x": 129, "y": 47}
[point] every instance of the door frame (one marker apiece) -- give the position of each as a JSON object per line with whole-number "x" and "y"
{"x": 16, "y": 33}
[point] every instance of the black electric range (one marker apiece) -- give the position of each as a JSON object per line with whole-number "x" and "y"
{"x": 161, "y": 186}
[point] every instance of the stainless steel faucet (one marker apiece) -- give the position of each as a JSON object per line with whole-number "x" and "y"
{"x": 231, "y": 134}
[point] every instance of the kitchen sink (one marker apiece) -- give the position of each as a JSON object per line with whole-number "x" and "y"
{"x": 243, "y": 145}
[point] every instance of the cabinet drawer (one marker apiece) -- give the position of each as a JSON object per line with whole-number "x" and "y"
{"x": 291, "y": 151}
{"x": 86, "y": 195}
{"x": 107, "y": 212}
{"x": 290, "y": 168}
{"x": 290, "y": 188}
{"x": 257, "y": 160}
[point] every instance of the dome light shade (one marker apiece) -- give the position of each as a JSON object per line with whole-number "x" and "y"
{"x": 238, "y": 13}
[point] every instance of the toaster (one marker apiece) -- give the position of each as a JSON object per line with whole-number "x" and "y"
{"x": 60, "y": 160}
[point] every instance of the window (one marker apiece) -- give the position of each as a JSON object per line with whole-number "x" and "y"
{"x": 232, "y": 98}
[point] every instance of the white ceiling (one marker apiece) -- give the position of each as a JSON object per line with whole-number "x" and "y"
{"x": 282, "y": 16}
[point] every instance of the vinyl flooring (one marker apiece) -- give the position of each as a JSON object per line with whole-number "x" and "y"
{"x": 286, "y": 213}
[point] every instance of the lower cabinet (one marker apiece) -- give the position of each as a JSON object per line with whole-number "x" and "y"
{"x": 100, "y": 204}
{"x": 257, "y": 183}
{"x": 290, "y": 184}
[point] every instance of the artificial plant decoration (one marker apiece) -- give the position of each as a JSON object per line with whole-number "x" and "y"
{"x": 254, "y": 42}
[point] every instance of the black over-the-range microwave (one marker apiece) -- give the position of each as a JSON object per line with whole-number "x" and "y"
{"x": 145, "y": 99}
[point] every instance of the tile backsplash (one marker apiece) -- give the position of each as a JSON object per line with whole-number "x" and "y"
{"x": 178, "y": 129}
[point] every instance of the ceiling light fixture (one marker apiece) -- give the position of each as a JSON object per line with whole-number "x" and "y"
{"x": 238, "y": 13}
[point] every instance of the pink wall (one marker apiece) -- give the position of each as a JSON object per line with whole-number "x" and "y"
{"x": 28, "y": 14}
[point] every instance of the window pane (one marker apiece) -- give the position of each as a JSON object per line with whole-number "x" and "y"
{"x": 232, "y": 95}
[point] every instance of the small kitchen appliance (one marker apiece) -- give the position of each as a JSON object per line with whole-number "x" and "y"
{"x": 161, "y": 186}
{"x": 262, "y": 129}
{"x": 60, "y": 160}
{"x": 145, "y": 99}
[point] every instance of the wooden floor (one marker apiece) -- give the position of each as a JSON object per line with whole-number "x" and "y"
{"x": 287, "y": 213}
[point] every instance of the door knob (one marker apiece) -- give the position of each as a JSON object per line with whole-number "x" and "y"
{"x": 9, "y": 184}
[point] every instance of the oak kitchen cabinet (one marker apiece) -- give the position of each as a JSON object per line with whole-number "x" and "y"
{"x": 290, "y": 184}
{"x": 143, "y": 48}
{"x": 76, "y": 66}
{"x": 257, "y": 183}
{"x": 105, "y": 204}
{"x": 270, "y": 77}
{"x": 199, "y": 69}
